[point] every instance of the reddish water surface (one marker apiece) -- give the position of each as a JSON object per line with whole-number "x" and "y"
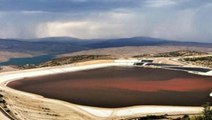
{"x": 121, "y": 87}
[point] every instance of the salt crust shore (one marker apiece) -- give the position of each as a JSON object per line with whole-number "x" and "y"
{"x": 103, "y": 113}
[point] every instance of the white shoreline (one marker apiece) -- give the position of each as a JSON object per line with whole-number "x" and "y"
{"x": 7, "y": 77}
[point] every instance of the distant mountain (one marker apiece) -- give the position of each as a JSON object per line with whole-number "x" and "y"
{"x": 121, "y": 42}
{"x": 38, "y": 46}
{"x": 59, "y": 45}
{"x": 144, "y": 41}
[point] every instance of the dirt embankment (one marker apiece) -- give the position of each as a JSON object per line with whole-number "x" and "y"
{"x": 33, "y": 107}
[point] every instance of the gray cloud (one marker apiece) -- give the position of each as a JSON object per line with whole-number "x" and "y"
{"x": 187, "y": 20}
{"x": 65, "y": 5}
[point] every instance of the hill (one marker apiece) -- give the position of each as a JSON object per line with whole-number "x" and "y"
{"x": 62, "y": 45}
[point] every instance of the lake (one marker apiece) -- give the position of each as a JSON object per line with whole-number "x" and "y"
{"x": 28, "y": 60}
{"x": 122, "y": 86}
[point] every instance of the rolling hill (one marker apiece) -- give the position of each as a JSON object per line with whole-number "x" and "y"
{"x": 61, "y": 45}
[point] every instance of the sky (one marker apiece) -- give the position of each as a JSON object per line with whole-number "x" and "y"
{"x": 182, "y": 20}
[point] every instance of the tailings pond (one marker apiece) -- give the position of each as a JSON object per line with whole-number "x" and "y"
{"x": 122, "y": 86}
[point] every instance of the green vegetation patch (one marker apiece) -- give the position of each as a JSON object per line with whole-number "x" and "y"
{"x": 74, "y": 59}
{"x": 67, "y": 60}
{"x": 206, "y": 115}
{"x": 203, "y": 61}
{"x": 179, "y": 53}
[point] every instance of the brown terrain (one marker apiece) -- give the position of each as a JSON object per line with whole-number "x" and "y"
{"x": 205, "y": 61}
{"x": 75, "y": 59}
{"x": 133, "y": 51}
{"x": 19, "y": 102}
{"x": 5, "y": 55}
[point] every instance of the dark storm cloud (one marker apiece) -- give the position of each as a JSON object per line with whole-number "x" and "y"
{"x": 169, "y": 19}
{"x": 66, "y": 5}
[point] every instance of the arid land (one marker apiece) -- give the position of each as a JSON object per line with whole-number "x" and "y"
{"x": 5, "y": 55}
{"x": 26, "y": 106}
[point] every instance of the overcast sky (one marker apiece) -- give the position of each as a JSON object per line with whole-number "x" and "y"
{"x": 184, "y": 20}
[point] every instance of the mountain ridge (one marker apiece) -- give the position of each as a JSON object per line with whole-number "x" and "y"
{"x": 60, "y": 45}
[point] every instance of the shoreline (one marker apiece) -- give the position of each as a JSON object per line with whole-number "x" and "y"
{"x": 93, "y": 112}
